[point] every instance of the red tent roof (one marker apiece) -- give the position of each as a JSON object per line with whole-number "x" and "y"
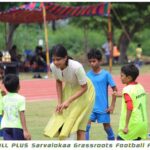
{"x": 32, "y": 12}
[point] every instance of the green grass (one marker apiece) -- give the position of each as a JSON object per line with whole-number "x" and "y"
{"x": 39, "y": 113}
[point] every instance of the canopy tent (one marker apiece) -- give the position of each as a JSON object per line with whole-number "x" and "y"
{"x": 37, "y": 12}
{"x": 32, "y": 12}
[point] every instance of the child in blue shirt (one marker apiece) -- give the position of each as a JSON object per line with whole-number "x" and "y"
{"x": 101, "y": 79}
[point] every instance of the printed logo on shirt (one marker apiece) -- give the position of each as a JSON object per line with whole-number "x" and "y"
{"x": 141, "y": 95}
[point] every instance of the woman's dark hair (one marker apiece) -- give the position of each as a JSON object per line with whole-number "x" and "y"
{"x": 11, "y": 82}
{"x": 94, "y": 54}
{"x": 130, "y": 70}
{"x": 59, "y": 51}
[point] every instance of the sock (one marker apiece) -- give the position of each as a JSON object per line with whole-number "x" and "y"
{"x": 87, "y": 133}
{"x": 110, "y": 133}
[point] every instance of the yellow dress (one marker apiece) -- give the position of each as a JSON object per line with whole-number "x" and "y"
{"x": 75, "y": 117}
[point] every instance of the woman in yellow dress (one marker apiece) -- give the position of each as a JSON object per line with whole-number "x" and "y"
{"x": 75, "y": 97}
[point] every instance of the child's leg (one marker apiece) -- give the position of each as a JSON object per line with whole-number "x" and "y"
{"x": 109, "y": 131}
{"x": 92, "y": 119}
{"x": 87, "y": 133}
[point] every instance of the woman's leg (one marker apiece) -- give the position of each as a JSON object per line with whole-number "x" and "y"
{"x": 80, "y": 135}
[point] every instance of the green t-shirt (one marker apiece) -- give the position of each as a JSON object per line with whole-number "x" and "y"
{"x": 0, "y": 103}
{"x": 13, "y": 103}
{"x": 138, "y": 125}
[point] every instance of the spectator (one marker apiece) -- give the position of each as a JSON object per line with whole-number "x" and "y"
{"x": 116, "y": 54}
{"x": 106, "y": 50}
{"x": 138, "y": 61}
{"x": 13, "y": 53}
{"x": 38, "y": 62}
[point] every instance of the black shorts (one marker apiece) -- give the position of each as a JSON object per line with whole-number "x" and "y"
{"x": 13, "y": 134}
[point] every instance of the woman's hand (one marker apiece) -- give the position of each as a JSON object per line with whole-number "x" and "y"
{"x": 64, "y": 105}
{"x": 58, "y": 108}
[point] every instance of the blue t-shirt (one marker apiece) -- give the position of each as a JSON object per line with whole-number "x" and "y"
{"x": 101, "y": 81}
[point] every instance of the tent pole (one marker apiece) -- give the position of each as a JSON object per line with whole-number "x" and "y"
{"x": 46, "y": 41}
{"x": 110, "y": 38}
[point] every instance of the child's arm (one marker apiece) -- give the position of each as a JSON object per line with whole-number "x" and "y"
{"x": 115, "y": 93}
{"x": 129, "y": 106}
{"x": 128, "y": 115}
{"x": 26, "y": 133}
{"x": 112, "y": 106}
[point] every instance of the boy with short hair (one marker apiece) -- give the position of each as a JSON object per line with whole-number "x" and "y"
{"x": 133, "y": 120}
{"x": 101, "y": 79}
{"x": 13, "y": 105}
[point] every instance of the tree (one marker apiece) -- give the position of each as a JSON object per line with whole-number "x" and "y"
{"x": 9, "y": 35}
{"x": 11, "y": 27}
{"x": 87, "y": 23}
{"x": 90, "y": 23}
{"x": 131, "y": 18}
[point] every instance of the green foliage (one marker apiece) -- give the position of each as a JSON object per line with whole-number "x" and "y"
{"x": 69, "y": 37}
{"x": 27, "y": 36}
{"x": 132, "y": 15}
{"x": 7, "y": 5}
{"x": 2, "y": 36}
{"x": 72, "y": 38}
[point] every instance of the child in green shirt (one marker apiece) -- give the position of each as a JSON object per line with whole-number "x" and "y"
{"x": 133, "y": 120}
{"x": 13, "y": 105}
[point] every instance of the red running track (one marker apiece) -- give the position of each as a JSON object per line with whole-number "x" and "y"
{"x": 44, "y": 89}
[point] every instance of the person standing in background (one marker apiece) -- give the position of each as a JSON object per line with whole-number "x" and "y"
{"x": 138, "y": 61}
{"x": 106, "y": 50}
{"x": 116, "y": 54}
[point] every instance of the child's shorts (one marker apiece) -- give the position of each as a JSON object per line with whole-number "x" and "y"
{"x": 1, "y": 132}
{"x": 100, "y": 118}
{"x": 13, "y": 134}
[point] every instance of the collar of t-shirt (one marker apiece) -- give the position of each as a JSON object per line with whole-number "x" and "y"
{"x": 132, "y": 83}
